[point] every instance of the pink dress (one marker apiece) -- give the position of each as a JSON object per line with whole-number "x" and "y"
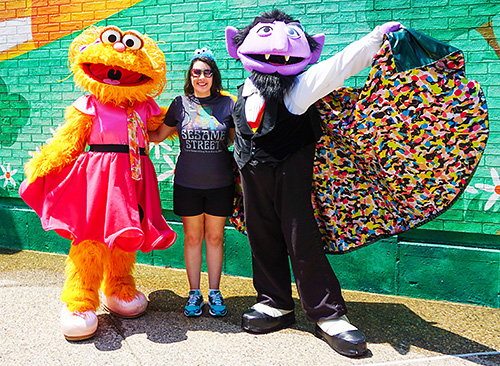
{"x": 95, "y": 198}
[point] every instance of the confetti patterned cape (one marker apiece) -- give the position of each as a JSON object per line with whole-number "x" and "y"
{"x": 398, "y": 152}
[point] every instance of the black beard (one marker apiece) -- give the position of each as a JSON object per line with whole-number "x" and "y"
{"x": 272, "y": 86}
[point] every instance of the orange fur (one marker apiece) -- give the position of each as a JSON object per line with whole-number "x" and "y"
{"x": 118, "y": 279}
{"x": 92, "y": 264}
{"x": 155, "y": 121}
{"x": 68, "y": 143}
{"x": 149, "y": 61}
{"x": 228, "y": 94}
{"x": 84, "y": 274}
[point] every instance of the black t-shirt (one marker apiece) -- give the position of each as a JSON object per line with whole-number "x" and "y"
{"x": 203, "y": 124}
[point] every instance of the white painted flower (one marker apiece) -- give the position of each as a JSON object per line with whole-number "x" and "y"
{"x": 156, "y": 147}
{"x": 34, "y": 153}
{"x": 471, "y": 189}
{"x": 494, "y": 189}
{"x": 38, "y": 148}
{"x": 53, "y": 132}
{"x": 7, "y": 175}
{"x": 168, "y": 173}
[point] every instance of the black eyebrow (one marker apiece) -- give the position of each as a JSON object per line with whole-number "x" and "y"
{"x": 297, "y": 24}
{"x": 271, "y": 20}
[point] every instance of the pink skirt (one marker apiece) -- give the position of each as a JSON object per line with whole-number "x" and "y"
{"x": 96, "y": 198}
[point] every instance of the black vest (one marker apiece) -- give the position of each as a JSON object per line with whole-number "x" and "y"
{"x": 280, "y": 133}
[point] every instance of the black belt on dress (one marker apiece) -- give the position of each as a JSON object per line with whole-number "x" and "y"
{"x": 114, "y": 148}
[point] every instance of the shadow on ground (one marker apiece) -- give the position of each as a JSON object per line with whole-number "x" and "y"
{"x": 384, "y": 323}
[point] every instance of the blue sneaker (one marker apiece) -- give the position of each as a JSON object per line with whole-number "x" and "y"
{"x": 216, "y": 303}
{"x": 194, "y": 304}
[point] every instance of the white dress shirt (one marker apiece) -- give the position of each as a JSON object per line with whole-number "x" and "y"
{"x": 321, "y": 78}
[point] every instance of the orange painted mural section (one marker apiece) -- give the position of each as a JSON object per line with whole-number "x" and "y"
{"x": 53, "y": 19}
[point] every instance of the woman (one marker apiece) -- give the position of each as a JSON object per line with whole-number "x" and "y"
{"x": 203, "y": 183}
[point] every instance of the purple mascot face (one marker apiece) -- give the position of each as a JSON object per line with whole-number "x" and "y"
{"x": 277, "y": 47}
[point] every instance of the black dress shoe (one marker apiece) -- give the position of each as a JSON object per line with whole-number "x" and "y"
{"x": 351, "y": 343}
{"x": 254, "y": 321}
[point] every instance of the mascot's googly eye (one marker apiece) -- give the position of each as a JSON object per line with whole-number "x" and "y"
{"x": 265, "y": 31}
{"x": 292, "y": 32}
{"x": 132, "y": 41}
{"x": 111, "y": 36}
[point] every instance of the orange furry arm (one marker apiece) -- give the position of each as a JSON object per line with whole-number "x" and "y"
{"x": 68, "y": 143}
{"x": 228, "y": 94}
{"x": 156, "y": 121}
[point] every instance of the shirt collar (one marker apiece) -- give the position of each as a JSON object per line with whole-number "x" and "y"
{"x": 249, "y": 88}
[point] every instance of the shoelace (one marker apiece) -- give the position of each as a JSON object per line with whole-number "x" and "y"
{"x": 193, "y": 300}
{"x": 216, "y": 299}
{"x": 81, "y": 315}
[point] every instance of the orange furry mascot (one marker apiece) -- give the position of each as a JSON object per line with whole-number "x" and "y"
{"x": 104, "y": 198}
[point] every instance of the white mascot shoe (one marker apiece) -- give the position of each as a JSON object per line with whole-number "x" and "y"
{"x": 78, "y": 326}
{"x": 124, "y": 309}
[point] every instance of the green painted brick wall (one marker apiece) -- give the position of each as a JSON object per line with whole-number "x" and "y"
{"x": 454, "y": 257}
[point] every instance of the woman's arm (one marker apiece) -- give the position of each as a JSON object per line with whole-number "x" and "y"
{"x": 231, "y": 134}
{"x": 161, "y": 130}
{"x": 156, "y": 120}
{"x": 161, "y": 133}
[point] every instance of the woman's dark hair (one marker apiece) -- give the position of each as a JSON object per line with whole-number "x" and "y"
{"x": 216, "y": 78}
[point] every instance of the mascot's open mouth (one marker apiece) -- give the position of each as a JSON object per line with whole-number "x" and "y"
{"x": 276, "y": 60}
{"x": 114, "y": 75}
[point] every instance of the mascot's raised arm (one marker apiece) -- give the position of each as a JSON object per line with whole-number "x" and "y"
{"x": 277, "y": 126}
{"x": 104, "y": 198}
{"x": 308, "y": 154}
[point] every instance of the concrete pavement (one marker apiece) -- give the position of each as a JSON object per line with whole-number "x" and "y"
{"x": 400, "y": 331}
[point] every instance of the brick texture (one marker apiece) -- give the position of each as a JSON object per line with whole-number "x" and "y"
{"x": 183, "y": 27}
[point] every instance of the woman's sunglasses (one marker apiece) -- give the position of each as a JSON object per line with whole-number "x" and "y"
{"x": 206, "y": 72}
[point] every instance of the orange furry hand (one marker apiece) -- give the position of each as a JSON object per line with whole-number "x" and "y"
{"x": 228, "y": 94}
{"x": 67, "y": 144}
{"x": 156, "y": 121}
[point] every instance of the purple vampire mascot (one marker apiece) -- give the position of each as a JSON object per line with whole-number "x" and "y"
{"x": 277, "y": 126}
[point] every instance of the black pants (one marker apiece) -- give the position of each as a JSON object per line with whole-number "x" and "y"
{"x": 280, "y": 224}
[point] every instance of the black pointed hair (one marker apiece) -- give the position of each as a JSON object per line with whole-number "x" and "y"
{"x": 269, "y": 17}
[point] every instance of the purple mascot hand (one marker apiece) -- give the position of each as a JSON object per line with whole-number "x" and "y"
{"x": 389, "y": 27}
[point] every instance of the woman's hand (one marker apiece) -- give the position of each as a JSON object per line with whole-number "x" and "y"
{"x": 161, "y": 133}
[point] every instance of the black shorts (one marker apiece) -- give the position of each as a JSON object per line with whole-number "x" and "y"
{"x": 193, "y": 202}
